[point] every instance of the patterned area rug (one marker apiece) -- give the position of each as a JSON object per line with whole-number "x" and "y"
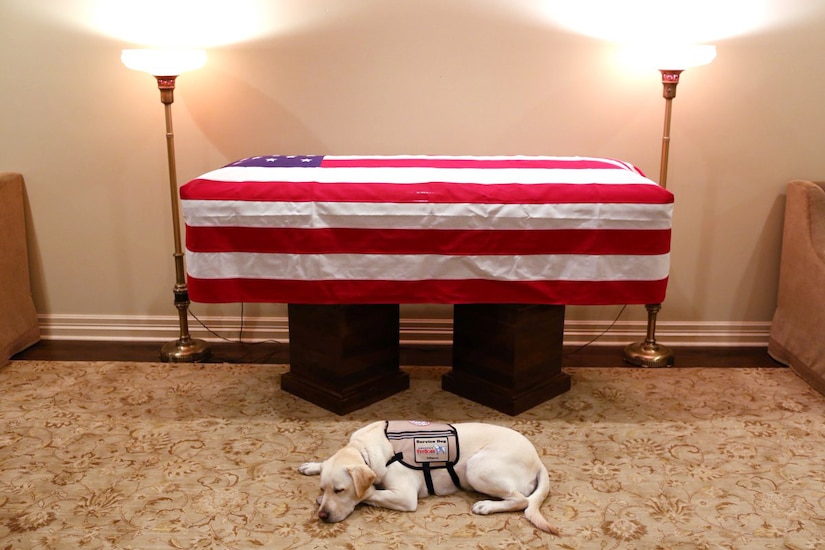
{"x": 141, "y": 455}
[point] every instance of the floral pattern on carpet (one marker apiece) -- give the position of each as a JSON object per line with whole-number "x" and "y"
{"x": 142, "y": 455}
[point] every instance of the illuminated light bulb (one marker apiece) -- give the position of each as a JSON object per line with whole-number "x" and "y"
{"x": 674, "y": 58}
{"x": 160, "y": 62}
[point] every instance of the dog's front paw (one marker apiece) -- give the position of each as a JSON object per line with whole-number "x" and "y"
{"x": 310, "y": 468}
{"x": 483, "y": 507}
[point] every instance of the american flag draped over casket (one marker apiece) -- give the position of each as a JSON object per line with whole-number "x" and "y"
{"x": 427, "y": 229}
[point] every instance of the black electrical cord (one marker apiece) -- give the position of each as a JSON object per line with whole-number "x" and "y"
{"x": 248, "y": 357}
{"x": 605, "y": 331}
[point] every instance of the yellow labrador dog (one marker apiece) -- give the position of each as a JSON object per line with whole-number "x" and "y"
{"x": 392, "y": 464}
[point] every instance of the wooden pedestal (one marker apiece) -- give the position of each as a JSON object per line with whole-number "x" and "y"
{"x": 507, "y": 356}
{"x": 344, "y": 357}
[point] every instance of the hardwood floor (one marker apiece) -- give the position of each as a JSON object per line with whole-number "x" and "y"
{"x": 419, "y": 355}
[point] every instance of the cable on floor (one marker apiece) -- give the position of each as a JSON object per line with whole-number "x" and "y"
{"x": 605, "y": 331}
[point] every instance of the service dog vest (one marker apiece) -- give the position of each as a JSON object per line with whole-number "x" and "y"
{"x": 424, "y": 446}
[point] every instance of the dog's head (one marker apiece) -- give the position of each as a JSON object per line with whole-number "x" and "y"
{"x": 345, "y": 481}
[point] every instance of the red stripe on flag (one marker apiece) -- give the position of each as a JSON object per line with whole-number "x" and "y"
{"x": 433, "y": 192}
{"x": 427, "y": 292}
{"x": 427, "y": 241}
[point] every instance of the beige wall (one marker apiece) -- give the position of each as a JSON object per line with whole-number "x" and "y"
{"x": 392, "y": 77}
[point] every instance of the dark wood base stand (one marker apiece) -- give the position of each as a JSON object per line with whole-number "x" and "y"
{"x": 344, "y": 357}
{"x": 507, "y": 356}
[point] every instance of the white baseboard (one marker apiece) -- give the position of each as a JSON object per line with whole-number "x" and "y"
{"x": 672, "y": 333}
{"x": 413, "y": 331}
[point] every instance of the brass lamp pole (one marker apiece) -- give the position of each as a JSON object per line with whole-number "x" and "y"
{"x": 650, "y": 353}
{"x": 166, "y": 66}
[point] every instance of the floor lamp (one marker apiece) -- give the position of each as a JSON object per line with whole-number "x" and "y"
{"x": 166, "y": 66}
{"x": 650, "y": 353}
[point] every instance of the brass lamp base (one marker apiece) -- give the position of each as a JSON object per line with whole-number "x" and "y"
{"x": 649, "y": 354}
{"x": 188, "y": 350}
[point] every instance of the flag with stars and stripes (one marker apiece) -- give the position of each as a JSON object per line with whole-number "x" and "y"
{"x": 427, "y": 229}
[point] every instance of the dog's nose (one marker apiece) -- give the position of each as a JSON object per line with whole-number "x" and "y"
{"x": 323, "y": 514}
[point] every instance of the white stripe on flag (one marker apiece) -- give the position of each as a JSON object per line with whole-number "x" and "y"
{"x": 409, "y": 175}
{"x": 402, "y": 267}
{"x": 305, "y": 215}
{"x": 550, "y": 158}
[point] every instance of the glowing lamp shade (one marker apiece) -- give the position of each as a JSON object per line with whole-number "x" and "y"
{"x": 163, "y": 62}
{"x": 166, "y": 66}
{"x": 674, "y": 58}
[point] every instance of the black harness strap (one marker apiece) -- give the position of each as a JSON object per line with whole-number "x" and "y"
{"x": 453, "y": 475}
{"x": 428, "y": 479}
{"x": 428, "y": 476}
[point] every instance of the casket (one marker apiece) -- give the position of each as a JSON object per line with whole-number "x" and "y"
{"x": 427, "y": 229}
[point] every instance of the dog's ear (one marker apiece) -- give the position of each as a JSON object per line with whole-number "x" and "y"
{"x": 362, "y": 478}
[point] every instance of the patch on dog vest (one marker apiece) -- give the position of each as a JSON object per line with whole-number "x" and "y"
{"x": 424, "y": 446}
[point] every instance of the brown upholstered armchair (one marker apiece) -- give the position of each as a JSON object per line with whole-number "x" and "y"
{"x": 18, "y": 318}
{"x": 797, "y": 336}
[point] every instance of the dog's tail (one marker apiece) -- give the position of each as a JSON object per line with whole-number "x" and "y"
{"x": 535, "y": 500}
